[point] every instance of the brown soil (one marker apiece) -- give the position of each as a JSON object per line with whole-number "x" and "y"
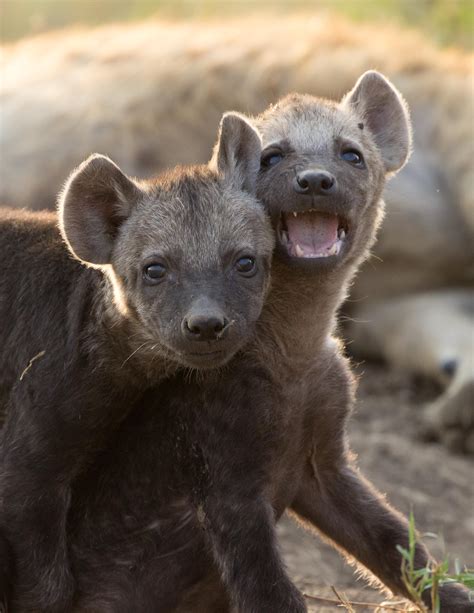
{"x": 437, "y": 485}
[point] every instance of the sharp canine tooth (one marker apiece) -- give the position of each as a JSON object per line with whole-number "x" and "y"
{"x": 342, "y": 234}
{"x": 299, "y": 252}
{"x": 295, "y": 214}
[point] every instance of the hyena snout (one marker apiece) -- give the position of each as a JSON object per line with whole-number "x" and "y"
{"x": 205, "y": 321}
{"x": 314, "y": 182}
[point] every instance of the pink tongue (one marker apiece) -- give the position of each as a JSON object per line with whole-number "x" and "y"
{"x": 314, "y": 232}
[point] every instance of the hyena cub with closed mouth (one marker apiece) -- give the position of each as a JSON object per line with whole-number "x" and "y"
{"x": 176, "y": 274}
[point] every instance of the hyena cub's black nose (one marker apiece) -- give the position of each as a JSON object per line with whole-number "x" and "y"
{"x": 314, "y": 183}
{"x": 204, "y": 326}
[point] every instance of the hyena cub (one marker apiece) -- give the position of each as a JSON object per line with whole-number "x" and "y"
{"x": 220, "y": 458}
{"x": 323, "y": 170}
{"x": 176, "y": 274}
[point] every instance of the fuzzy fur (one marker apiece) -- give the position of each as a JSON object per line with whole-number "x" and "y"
{"x": 198, "y": 70}
{"x": 76, "y": 358}
{"x": 177, "y": 513}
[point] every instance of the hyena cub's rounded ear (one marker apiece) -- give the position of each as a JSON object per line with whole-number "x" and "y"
{"x": 237, "y": 152}
{"x": 95, "y": 201}
{"x": 383, "y": 110}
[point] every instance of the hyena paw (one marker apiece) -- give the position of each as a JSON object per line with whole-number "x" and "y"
{"x": 450, "y": 419}
{"x": 455, "y": 598}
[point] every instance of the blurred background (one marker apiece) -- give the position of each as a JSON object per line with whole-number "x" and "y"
{"x": 146, "y": 83}
{"x": 446, "y": 21}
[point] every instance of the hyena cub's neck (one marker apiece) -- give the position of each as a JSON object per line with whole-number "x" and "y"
{"x": 300, "y": 314}
{"x": 323, "y": 169}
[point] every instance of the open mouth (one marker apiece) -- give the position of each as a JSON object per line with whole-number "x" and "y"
{"x": 312, "y": 234}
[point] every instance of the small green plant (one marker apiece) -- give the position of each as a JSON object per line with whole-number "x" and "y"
{"x": 417, "y": 582}
{"x": 431, "y": 577}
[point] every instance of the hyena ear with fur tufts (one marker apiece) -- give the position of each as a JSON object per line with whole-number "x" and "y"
{"x": 95, "y": 201}
{"x": 237, "y": 152}
{"x": 384, "y": 111}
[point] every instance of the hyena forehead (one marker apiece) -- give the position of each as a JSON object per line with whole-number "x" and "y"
{"x": 197, "y": 218}
{"x": 307, "y": 123}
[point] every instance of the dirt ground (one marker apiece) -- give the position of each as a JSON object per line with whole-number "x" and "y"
{"x": 425, "y": 477}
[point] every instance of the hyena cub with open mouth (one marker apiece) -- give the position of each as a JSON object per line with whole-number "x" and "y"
{"x": 220, "y": 458}
{"x": 323, "y": 170}
{"x": 176, "y": 273}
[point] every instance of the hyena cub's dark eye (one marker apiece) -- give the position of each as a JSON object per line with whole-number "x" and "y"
{"x": 154, "y": 272}
{"x": 246, "y": 266}
{"x": 271, "y": 158}
{"x": 352, "y": 156}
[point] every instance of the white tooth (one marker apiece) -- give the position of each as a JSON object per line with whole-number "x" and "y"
{"x": 295, "y": 214}
{"x": 299, "y": 252}
{"x": 342, "y": 234}
{"x": 333, "y": 250}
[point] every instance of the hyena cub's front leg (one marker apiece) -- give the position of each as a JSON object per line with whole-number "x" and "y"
{"x": 241, "y": 532}
{"x": 39, "y": 461}
{"x": 336, "y": 498}
{"x": 348, "y": 509}
{"x": 234, "y": 434}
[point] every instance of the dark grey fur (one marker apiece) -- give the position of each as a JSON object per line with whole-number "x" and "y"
{"x": 81, "y": 344}
{"x": 177, "y": 513}
{"x": 198, "y": 484}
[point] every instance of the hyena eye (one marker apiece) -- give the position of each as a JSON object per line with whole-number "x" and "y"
{"x": 271, "y": 158}
{"x": 154, "y": 272}
{"x": 353, "y": 157}
{"x": 246, "y": 266}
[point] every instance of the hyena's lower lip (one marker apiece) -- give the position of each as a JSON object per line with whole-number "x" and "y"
{"x": 312, "y": 234}
{"x": 199, "y": 354}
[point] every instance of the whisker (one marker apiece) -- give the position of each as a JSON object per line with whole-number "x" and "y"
{"x": 133, "y": 353}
